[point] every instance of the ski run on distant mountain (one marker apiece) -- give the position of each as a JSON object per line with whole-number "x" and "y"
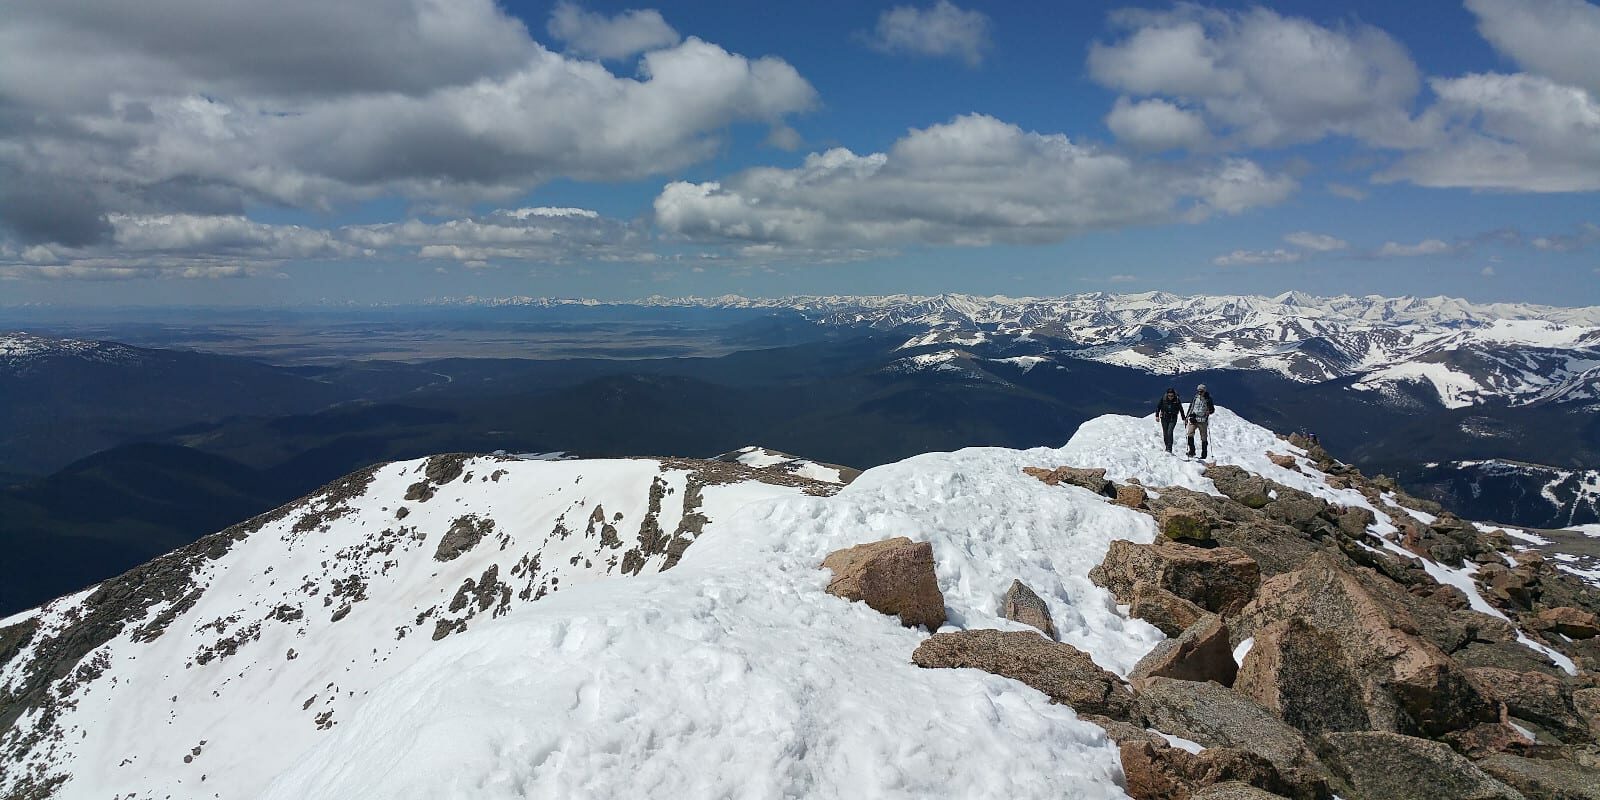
{"x": 1460, "y": 353}
{"x": 489, "y": 627}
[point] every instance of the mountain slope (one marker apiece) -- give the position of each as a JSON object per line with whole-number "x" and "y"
{"x": 468, "y": 626}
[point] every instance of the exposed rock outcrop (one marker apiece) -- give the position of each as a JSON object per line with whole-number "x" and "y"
{"x": 1215, "y": 716}
{"x": 1159, "y": 772}
{"x": 1064, "y": 673}
{"x": 1544, "y": 779}
{"x": 1092, "y": 479}
{"x": 894, "y": 577}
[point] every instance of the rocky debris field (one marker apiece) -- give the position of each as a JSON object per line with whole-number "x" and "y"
{"x": 1314, "y": 651}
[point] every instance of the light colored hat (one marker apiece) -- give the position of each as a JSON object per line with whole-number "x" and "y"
{"x": 1200, "y": 388}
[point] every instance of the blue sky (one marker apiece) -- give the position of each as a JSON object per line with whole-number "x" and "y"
{"x": 192, "y": 152}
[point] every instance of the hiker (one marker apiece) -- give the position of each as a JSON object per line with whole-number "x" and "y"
{"x": 1199, "y": 417}
{"x": 1168, "y": 409}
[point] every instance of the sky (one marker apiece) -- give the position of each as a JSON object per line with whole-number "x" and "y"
{"x": 212, "y": 152}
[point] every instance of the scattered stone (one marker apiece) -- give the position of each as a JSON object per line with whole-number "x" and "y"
{"x": 1395, "y": 767}
{"x": 1184, "y": 524}
{"x": 1486, "y": 739}
{"x": 1574, "y": 623}
{"x": 1221, "y": 580}
{"x": 1131, "y": 496}
{"x": 1021, "y": 605}
{"x": 1063, "y": 672}
{"x": 464, "y": 534}
{"x": 1200, "y": 653}
{"x": 893, "y": 577}
{"x": 1284, "y": 460}
{"x": 1092, "y": 479}
{"x": 1216, "y": 716}
{"x": 1168, "y": 612}
{"x": 1245, "y": 488}
{"x": 1555, "y": 779}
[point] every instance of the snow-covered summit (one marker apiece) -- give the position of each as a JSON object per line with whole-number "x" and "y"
{"x": 20, "y": 349}
{"x": 497, "y": 628}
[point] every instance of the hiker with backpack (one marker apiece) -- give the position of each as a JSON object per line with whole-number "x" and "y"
{"x": 1168, "y": 409}
{"x": 1199, "y": 416}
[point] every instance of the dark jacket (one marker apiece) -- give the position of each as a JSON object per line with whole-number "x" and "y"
{"x": 1169, "y": 407}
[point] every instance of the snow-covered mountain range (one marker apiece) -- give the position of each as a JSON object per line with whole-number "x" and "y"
{"x": 1458, "y": 352}
{"x": 491, "y": 627}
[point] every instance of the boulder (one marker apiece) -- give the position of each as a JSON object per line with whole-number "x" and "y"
{"x": 1335, "y": 651}
{"x": 1535, "y": 697}
{"x": 1236, "y": 484}
{"x": 1304, "y": 675}
{"x": 1163, "y": 609}
{"x": 1092, "y": 479}
{"x": 1233, "y": 790}
{"x": 1131, "y": 496}
{"x": 1552, "y": 779}
{"x": 1395, "y": 767}
{"x": 1200, "y": 653}
{"x": 1155, "y": 772}
{"x": 1020, "y": 604}
{"x": 1353, "y": 521}
{"x": 1276, "y": 548}
{"x": 1586, "y": 702}
{"x": 1487, "y": 738}
{"x": 1064, "y": 673}
{"x": 1284, "y": 460}
{"x": 1300, "y": 510}
{"x": 894, "y": 577}
{"x": 1216, "y": 716}
{"x": 1574, "y": 623}
{"x": 1184, "y": 524}
{"x": 1220, "y": 580}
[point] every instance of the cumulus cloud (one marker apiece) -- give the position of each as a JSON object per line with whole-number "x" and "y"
{"x": 210, "y": 246}
{"x": 623, "y": 36}
{"x": 1517, "y": 132}
{"x": 1318, "y": 242}
{"x": 1426, "y": 247}
{"x": 1155, "y": 125}
{"x": 1264, "y": 79}
{"x": 1248, "y": 257}
{"x": 1556, "y": 38}
{"x": 1346, "y": 191}
{"x": 972, "y": 181}
{"x": 942, "y": 30}
{"x": 108, "y": 108}
{"x": 1588, "y": 234}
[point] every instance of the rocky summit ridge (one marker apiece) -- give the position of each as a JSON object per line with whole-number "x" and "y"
{"x": 1096, "y": 620}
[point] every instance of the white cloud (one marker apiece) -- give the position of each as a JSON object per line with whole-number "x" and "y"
{"x": 972, "y": 181}
{"x": 1122, "y": 278}
{"x": 1516, "y": 132}
{"x": 1245, "y": 257}
{"x": 1426, "y": 247}
{"x": 1347, "y": 192}
{"x": 440, "y": 102}
{"x": 1487, "y": 272}
{"x": 623, "y": 36}
{"x": 1263, "y": 79}
{"x": 1319, "y": 242}
{"x": 1156, "y": 125}
{"x": 1556, "y": 38}
{"x": 1588, "y": 234}
{"x": 942, "y": 30}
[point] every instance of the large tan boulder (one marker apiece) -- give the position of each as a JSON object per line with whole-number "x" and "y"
{"x": 894, "y": 577}
{"x": 1158, "y": 772}
{"x": 1219, "y": 579}
{"x": 1332, "y": 652}
{"x": 1184, "y": 524}
{"x": 1020, "y": 604}
{"x": 1535, "y": 697}
{"x": 1216, "y": 716}
{"x": 1064, "y": 673}
{"x": 1395, "y": 767}
{"x": 1163, "y": 609}
{"x": 1574, "y": 623}
{"x": 1200, "y": 653}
